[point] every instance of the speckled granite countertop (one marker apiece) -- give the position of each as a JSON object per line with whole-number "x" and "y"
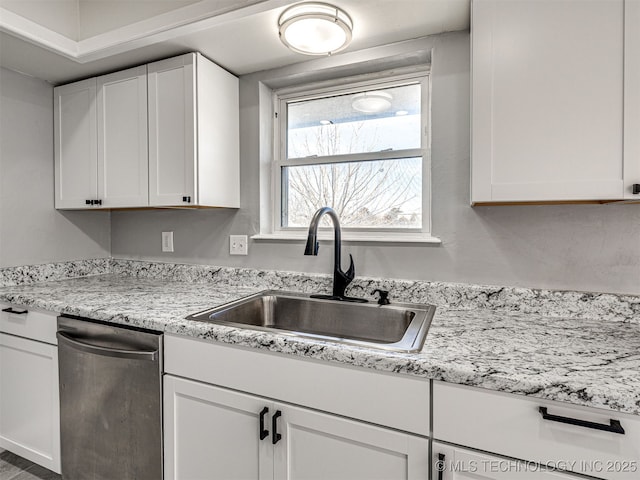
{"x": 586, "y": 362}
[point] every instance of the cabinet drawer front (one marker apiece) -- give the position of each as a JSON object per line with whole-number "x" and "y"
{"x": 391, "y": 400}
{"x": 453, "y": 463}
{"x": 34, "y": 324}
{"x": 513, "y": 425}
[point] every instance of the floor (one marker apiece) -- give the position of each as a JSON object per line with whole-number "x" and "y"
{"x": 13, "y": 467}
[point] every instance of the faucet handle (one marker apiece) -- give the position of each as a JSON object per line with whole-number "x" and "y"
{"x": 384, "y": 296}
{"x": 351, "y": 272}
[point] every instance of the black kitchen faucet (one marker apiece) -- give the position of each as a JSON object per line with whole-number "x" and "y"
{"x": 340, "y": 279}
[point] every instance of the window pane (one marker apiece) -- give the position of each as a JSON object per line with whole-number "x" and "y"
{"x": 380, "y": 193}
{"x": 385, "y": 119}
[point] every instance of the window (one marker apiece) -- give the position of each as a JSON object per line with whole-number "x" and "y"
{"x": 360, "y": 147}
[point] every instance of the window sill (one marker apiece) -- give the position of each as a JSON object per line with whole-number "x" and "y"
{"x": 353, "y": 237}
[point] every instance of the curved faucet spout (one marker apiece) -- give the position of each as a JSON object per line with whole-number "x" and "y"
{"x": 341, "y": 279}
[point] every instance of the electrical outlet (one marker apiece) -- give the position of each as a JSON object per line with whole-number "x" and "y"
{"x": 167, "y": 241}
{"x": 238, "y": 245}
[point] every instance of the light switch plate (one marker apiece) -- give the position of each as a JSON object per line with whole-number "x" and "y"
{"x": 238, "y": 245}
{"x": 167, "y": 241}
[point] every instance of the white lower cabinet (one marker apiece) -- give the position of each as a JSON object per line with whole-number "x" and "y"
{"x": 321, "y": 446}
{"x": 29, "y": 399}
{"x": 213, "y": 432}
{"x": 589, "y": 441}
{"x": 455, "y": 463}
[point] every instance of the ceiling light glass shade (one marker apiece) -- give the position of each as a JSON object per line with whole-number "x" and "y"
{"x": 314, "y": 28}
{"x": 372, "y": 102}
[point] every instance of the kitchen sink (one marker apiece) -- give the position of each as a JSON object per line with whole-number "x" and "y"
{"x": 400, "y": 327}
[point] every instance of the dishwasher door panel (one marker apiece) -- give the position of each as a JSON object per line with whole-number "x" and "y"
{"x": 110, "y": 399}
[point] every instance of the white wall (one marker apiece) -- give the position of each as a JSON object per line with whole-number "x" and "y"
{"x": 575, "y": 247}
{"x": 31, "y": 231}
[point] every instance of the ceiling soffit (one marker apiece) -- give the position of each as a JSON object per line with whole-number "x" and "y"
{"x": 188, "y": 18}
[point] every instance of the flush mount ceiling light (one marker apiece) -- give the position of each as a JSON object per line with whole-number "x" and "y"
{"x": 371, "y": 102}
{"x": 315, "y": 28}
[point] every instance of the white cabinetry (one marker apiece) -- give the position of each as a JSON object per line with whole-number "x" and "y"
{"x": 551, "y": 100}
{"x": 514, "y": 426}
{"x": 212, "y": 432}
{"x": 217, "y": 430}
{"x": 122, "y": 138}
{"x": 76, "y": 144}
{"x": 455, "y": 463}
{"x": 163, "y": 134}
{"x": 29, "y": 399}
{"x": 193, "y": 133}
{"x": 323, "y": 447}
{"x": 101, "y": 141}
{"x": 631, "y": 99}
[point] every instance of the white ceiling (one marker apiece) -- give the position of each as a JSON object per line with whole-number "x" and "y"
{"x": 240, "y": 35}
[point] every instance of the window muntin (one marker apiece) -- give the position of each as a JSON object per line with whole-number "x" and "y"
{"x": 370, "y": 166}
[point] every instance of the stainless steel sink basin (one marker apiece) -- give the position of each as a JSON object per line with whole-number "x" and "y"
{"x": 398, "y": 327}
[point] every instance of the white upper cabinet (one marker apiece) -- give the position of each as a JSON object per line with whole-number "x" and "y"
{"x": 122, "y": 138}
{"x": 632, "y": 99}
{"x": 172, "y": 132}
{"x": 163, "y": 134}
{"x": 554, "y": 86}
{"x": 76, "y": 144}
{"x": 193, "y": 133}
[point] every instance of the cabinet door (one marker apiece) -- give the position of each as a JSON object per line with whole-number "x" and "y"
{"x": 122, "y": 138}
{"x": 454, "y": 463}
{"x": 326, "y": 447}
{"x": 76, "y": 145}
{"x": 631, "y": 98}
{"x": 29, "y": 407}
{"x": 547, "y": 100}
{"x": 172, "y": 131}
{"x": 213, "y": 433}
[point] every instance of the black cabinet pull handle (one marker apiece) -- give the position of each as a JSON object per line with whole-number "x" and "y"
{"x": 15, "y": 312}
{"x": 440, "y": 466}
{"x": 264, "y": 433}
{"x": 186, "y": 199}
{"x": 274, "y": 427}
{"x": 614, "y": 425}
{"x": 636, "y": 188}
{"x": 88, "y": 202}
{"x": 98, "y": 202}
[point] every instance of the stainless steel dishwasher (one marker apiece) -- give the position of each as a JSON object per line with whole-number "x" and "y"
{"x": 110, "y": 401}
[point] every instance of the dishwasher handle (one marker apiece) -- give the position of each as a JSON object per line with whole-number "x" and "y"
{"x": 151, "y": 355}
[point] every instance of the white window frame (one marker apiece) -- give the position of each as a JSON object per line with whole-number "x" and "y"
{"x": 282, "y": 97}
